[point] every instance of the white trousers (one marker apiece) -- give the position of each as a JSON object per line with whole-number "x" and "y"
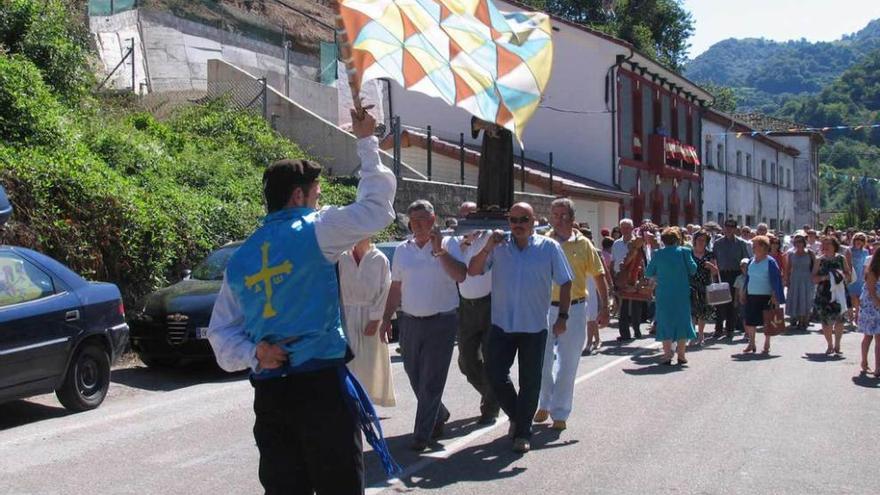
{"x": 561, "y": 358}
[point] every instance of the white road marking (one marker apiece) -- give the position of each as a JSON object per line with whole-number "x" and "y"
{"x": 460, "y": 444}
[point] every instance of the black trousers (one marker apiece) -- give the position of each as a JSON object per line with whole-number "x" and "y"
{"x": 529, "y": 349}
{"x": 308, "y": 437}
{"x": 631, "y": 316}
{"x": 474, "y": 323}
{"x": 727, "y": 317}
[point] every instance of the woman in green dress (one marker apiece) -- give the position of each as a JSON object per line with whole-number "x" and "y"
{"x": 672, "y": 267}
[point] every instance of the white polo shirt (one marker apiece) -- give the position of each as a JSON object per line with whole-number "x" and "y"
{"x": 472, "y": 287}
{"x": 425, "y": 288}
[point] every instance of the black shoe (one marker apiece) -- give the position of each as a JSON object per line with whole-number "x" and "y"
{"x": 440, "y": 426}
{"x": 487, "y": 419}
{"x": 624, "y": 339}
{"x": 419, "y": 446}
{"x": 718, "y": 334}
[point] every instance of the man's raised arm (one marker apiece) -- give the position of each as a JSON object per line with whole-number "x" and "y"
{"x": 339, "y": 228}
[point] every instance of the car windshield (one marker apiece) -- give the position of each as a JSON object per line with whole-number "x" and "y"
{"x": 212, "y": 267}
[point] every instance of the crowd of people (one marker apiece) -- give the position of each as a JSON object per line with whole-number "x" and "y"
{"x": 307, "y": 301}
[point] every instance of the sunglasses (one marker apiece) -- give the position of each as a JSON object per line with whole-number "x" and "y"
{"x": 523, "y": 219}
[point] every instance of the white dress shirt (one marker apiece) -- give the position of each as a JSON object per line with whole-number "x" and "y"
{"x": 426, "y": 289}
{"x": 619, "y": 250}
{"x": 337, "y": 229}
{"x": 472, "y": 287}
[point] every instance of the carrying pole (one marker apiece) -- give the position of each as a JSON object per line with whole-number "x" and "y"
{"x": 346, "y": 52}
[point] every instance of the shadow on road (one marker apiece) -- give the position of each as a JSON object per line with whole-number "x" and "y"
{"x": 821, "y": 357}
{"x": 22, "y": 412}
{"x": 651, "y": 366}
{"x": 485, "y": 462}
{"x": 167, "y": 379}
{"x": 756, "y": 356}
{"x": 618, "y": 349}
{"x": 865, "y": 380}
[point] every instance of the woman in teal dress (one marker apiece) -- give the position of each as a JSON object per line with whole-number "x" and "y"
{"x": 672, "y": 267}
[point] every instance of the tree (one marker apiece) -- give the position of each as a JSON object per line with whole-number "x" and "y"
{"x": 725, "y": 98}
{"x": 660, "y": 28}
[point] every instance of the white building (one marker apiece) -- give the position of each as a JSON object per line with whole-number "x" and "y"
{"x": 747, "y": 175}
{"x": 805, "y": 180}
{"x": 603, "y": 101}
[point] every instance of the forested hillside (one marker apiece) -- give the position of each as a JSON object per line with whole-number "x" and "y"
{"x": 765, "y": 74}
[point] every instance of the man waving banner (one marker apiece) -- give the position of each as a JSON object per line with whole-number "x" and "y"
{"x": 493, "y": 64}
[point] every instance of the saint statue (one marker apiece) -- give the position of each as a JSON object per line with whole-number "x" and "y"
{"x": 495, "y": 179}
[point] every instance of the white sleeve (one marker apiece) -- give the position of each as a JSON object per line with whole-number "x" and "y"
{"x": 338, "y": 228}
{"x": 232, "y": 347}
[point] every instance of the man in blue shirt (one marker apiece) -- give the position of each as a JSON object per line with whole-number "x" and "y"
{"x": 523, "y": 272}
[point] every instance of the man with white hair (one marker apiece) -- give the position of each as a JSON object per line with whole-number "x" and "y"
{"x": 630, "y": 311}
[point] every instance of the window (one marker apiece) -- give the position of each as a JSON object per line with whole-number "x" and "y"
{"x": 708, "y": 151}
{"x": 764, "y": 170}
{"x": 788, "y": 178}
{"x": 709, "y": 216}
{"x": 750, "y": 221}
{"x": 720, "y": 218}
{"x": 720, "y": 157}
{"x": 739, "y": 220}
{"x": 21, "y": 281}
{"x": 772, "y": 172}
{"x": 739, "y": 162}
{"x": 773, "y": 223}
{"x": 639, "y": 141}
{"x": 749, "y": 165}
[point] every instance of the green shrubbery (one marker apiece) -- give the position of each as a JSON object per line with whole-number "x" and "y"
{"x": 111, "y": 192}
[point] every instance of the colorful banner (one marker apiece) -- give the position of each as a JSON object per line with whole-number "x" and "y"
{"x": 493, "y": 64}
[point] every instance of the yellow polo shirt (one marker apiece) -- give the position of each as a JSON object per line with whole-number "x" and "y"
{"x": 584, "y": 260}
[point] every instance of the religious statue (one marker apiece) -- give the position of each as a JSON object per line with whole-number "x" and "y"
{"x": 495, "y": 179}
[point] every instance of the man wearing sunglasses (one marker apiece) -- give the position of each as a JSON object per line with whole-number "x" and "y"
{"x": 524, "y": 270}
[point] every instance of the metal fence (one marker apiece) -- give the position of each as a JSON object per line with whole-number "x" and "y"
{"x": 246, "y": 94}
{"x": 110, "y": 7}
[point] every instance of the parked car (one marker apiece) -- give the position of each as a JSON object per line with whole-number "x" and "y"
{"x": 58, "y": 332}
{"x": 172, "y": 327}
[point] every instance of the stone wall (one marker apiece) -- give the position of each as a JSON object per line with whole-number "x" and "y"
{"x": 446, "y": 198}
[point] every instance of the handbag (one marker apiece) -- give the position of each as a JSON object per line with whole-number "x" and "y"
{"x": 774, "y": 321}
{"x": 718, "y": 293}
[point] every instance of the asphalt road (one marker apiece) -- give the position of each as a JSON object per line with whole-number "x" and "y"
{"x": 794, "y": 422}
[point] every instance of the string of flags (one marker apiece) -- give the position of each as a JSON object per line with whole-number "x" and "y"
{"x": 800, "y": 129}
{"x": 830, "y": 174}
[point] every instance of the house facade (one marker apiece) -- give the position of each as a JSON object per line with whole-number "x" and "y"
{"x": 805, "y": 180}
{"x": 747, "y": 175}
{"x": 605, "y": 118}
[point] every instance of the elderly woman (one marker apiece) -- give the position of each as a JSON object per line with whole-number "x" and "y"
{"x": 764, "y": 290}
{"x": 672, "y": 266}
{"x": 830, "y": 274}
{"x": 365, "y": 279}
{"x": 798, "y": 278}
{"x": 701, "y": 310}
{"x": 857, "y": 257}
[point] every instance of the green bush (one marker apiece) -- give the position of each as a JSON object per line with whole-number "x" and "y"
{"x": 29, "y": 113}
{"x": 44, "y": 32}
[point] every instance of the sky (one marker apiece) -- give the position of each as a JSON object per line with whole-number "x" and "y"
{"x": 780, "y": 20}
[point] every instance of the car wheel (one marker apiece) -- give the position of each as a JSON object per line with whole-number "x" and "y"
{"x": 157, "y": 362}
{"x": 87, "y": 379}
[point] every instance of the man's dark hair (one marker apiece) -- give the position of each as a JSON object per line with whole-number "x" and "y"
{"x": 283, "y": 177}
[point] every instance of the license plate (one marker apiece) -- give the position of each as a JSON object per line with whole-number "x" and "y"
{"x": 202, "y": 332}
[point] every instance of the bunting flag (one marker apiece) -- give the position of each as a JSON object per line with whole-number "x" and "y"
{"x": 495, "y": 65}
{"x": 740, "y": 134}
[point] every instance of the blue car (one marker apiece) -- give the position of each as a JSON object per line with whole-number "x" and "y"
{"x": 58, "y": 332}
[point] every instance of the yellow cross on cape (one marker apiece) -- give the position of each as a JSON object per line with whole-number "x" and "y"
{"x": 265, "y": 276}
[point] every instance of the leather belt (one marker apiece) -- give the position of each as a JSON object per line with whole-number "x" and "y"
{"x": 573, "y": 302}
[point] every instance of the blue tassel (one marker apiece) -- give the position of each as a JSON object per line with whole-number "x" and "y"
{"x": 363, "y": 409}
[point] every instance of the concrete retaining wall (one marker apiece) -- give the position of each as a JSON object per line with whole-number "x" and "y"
{"x": 446, "y": 198}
